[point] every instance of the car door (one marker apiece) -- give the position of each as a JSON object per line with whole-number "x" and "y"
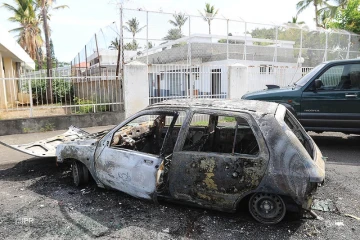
{"x": 212, "y": 167}
{"x": 130, "y": 155}
{"x": 336, "y": 104}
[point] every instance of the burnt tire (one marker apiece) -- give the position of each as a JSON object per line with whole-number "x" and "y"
{"x": 80, "y": 173}
{"x": 267, "y": 208}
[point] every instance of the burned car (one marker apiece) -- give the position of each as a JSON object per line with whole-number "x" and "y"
{"x": 209, "y": 153}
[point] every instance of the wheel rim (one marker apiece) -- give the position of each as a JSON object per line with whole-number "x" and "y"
{"x": 267, "y": 208}
{"x": 75, "y": 172}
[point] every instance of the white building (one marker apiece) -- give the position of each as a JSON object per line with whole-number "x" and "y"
{"x": 13, "y": 58}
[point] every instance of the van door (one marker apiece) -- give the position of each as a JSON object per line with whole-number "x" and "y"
{"x": 335, "y": 106}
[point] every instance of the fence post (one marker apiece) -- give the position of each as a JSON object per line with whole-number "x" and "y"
{"x": 30, "y": 93}
{"x": 244, "y": 57}
{"x": 98, "y": 54}
{"x": 238, "y": 80}
{"x": 147, "y": 38}
{"x": 348, "y": 48}
{"x": 276, "y": 43}
{"x": 136, "y": 87}
{"x": 227, "y": 39}
{"x": 326, "y": 46}
{"x": 301, "y": 43}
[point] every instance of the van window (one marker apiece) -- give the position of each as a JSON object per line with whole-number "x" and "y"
{"x": 343, "y": 77}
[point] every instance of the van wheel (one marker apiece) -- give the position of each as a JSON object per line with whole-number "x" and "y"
{"x": 267, "y": 208}
{"x": 80, "y": 173}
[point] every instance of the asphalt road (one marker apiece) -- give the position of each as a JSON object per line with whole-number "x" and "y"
{"x": 38, "y": 200}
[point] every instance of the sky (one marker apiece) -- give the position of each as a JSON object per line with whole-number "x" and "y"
{"x": 73, "y": 27}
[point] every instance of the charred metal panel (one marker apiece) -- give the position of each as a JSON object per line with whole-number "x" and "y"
{"x": 128, "y": 171}
{"x": 47, "y": 147}
{"x": 214, "y": 180}
{"x": 290, "y": 167}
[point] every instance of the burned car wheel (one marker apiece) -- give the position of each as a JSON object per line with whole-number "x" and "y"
{"x": 267, "y": 208}
{"x": 80, "y": 173}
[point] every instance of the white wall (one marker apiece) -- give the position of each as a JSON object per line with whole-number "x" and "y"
{"x": 136, "y": 87}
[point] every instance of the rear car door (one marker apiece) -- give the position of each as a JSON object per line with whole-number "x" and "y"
{"x": 216, "y": 167}
{"x": 131, "y": 154}
{"x": 336, "y": 105}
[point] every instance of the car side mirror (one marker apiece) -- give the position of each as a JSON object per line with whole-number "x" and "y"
{"x": 318, "y": 84}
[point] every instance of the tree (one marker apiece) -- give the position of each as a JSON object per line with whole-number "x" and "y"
{"x": 328, "y": 13}
{"x": 114, "y": 45}
{"x": 179, "y": 20}
{"x": 133, "y": 26}
{"x": 149, "y": 45}
{"x": 294, "y": 20}
{"x": 28, "y": 32}
{"x": 304, "y": 4}
{"x": 173, "y": 34}
{"x": 348, "y": 18}
{"x": 209, "y": 14}
{"x": 44, "y": 6}
{"x": 133, "y": 46}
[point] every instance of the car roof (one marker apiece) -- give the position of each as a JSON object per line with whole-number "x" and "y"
{"x": 355, "y": 60}
{"x": 236, "y": 105}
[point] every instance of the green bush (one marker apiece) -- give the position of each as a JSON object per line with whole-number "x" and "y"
{"x": 84, "y": 108}
{"x": 62, "y": 90}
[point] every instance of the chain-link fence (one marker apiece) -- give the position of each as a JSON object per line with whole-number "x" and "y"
{"x": 179, "y": 38}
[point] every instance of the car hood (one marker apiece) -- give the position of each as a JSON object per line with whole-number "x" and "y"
{"x": 268, "y": 92}
{"x": 47, "y": 147}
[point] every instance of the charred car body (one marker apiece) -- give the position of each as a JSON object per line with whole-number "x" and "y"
{"x": 211, "y": 153}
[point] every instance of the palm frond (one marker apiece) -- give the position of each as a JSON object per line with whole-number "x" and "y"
{"x": 60, "y": 7}
{"x": 302, "y": 5}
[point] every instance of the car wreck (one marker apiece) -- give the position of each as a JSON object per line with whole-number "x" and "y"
{"x": 204, "y": 152}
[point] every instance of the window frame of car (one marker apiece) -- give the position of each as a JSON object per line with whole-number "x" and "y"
{"x": 226, "y": 113}
{"x": 169, "y": 112}
{"x": 280, "y": 115}
{"x": 309, "y": 87}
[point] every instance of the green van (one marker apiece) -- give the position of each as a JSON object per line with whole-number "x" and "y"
{"x": 325, "y": 99}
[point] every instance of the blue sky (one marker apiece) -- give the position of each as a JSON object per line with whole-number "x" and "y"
{"x": 72, "y": 28}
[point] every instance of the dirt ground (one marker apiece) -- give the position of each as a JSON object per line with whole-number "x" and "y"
{"x": 39, "y": 201}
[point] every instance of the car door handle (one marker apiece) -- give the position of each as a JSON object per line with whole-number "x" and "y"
{"x": 150, "y": 162}
{"x": 351, "y": 95}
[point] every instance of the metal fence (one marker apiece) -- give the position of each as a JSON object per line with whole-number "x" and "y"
{"x": 68, "y": 91}
{"x": 212, "y": 81}
{"x": 157, "y": 41}
{"x": 185, "y": 81}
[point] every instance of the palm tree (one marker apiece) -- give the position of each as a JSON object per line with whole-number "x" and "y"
{"x": 173, "y": 34}
{"x": 179, "y": 20}
{"x": 294, "y": 20}
{"x": 43, "y": 6}
{"x": 29, "y": 33}
{"x": 133, "y": 26}
{"x": 304, "y": 4}
{"x": 209, "y": 14}
{"x": 114, "y": 45}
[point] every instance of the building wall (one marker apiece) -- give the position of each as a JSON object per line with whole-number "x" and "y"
{"x": 2, "y": 84}
{"x": 9, "y": 86}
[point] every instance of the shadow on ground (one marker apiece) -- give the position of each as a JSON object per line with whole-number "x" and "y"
{"x": 68, "y": 211}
